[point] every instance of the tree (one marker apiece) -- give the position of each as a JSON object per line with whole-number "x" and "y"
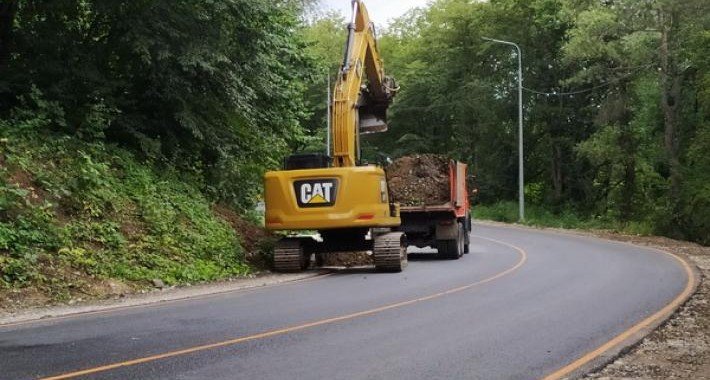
{"x": 8, "y": 10}
{"x": 620, "y": 41}
{"x": 214, "y": 88}
{"x": 325, "y": 38}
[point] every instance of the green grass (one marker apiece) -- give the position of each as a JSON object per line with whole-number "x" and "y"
{"x": 71, "y": 210}
{"x": 539, "y": 216}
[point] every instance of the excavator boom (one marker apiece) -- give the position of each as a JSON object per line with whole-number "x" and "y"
{"x": 362, "y": 92}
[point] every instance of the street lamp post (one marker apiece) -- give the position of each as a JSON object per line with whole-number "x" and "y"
{"x": 521, "y": 182}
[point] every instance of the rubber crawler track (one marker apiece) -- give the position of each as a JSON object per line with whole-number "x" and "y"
{"x": 390, "y": 252}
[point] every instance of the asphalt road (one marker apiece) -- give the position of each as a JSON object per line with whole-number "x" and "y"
{"x": 521, "y": 305}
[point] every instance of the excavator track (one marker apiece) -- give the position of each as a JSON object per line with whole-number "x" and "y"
{"x": 289, "y": 256}
{"x": 390, "y": 252}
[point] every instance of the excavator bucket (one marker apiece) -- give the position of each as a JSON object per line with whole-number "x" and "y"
{"x": 371, "y": 124}
{"x": 372, "y": 114}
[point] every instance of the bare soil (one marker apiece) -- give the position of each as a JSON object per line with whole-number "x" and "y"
{"x": 420, "y": 179}
{"x": 255, "y": 239}
{"x": 680, "y": 349}
{"x": 24, "y": 180}
{"x": 77, "y": 288}
{"x": 348, "y": 259}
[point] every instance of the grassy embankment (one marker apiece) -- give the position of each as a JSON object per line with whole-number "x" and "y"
{"x": 539, "y": 216}
{"x": 84, "y": 219}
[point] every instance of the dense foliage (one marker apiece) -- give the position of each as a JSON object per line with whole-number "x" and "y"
{"x": 617, "y": 104}
{"x": 325, "y": 38}
{"x": 212, "y": 87}
{"x": 74, "y": 213}
{"x": 123, "y": 123}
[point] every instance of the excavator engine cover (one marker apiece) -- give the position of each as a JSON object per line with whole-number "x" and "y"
{"x": 327, "y": 198}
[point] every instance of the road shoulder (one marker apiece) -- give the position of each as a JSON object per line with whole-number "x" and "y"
{"x": 172, "y": 294}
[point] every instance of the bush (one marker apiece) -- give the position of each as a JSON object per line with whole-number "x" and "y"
{"x": 536, "y": 215}
{"x": 92, "y": 209}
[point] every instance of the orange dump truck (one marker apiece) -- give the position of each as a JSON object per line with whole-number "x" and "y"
{"x": 434, "y": 203}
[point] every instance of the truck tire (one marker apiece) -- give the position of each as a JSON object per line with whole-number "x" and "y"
{"x": 462, "y": 240}
{"x": 467, "y": 238}
{"x": 289, "y": 256}
{"x": 451, "y": 249}
{"x": 447, "y": 249}
{"x": 468, "y": 227}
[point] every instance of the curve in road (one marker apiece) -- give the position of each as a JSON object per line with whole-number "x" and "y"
{"x": 501, "y": 312}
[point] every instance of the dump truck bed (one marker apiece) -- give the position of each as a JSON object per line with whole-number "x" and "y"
{"x": 434, "y": 203}
{"x": 458, "y": 202}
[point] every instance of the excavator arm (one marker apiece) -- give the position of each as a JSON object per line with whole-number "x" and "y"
{"x": 346, "y": 202}
{"x": 362, "y": 92}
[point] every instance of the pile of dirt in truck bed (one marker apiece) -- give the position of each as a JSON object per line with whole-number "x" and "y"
{"x": 420, "y": 179}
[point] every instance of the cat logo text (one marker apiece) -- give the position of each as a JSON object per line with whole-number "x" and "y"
{"x": 316, "y": 192}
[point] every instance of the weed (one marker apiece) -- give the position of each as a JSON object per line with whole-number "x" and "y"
{"x": 536, "y": 215}
{"x": 93, "y": 191}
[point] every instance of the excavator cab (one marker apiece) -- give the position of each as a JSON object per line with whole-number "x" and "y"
{"x": 307, "y": 161}
{"x": 346, "y": 202}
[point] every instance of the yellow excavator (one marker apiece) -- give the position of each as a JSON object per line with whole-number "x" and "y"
{"x": 337, "y": 194}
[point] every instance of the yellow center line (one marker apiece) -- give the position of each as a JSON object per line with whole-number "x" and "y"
{"x": 286, "y": 330}
{"x": 631, "y": 332}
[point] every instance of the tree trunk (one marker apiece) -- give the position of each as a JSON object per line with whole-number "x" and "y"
{"x": 557, "y": 183}
{"x": 8, "y": 10}
{"x": 557, "y": 173}
{"x": 670, "y": 100}
{"x": 628, "y": 146}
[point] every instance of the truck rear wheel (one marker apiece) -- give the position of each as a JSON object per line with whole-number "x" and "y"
{"x": 390, "y": 252}
{"x": 468, "y": 227}
{"x": 289, "y": 256}
{"x": 466, "y": 238}
{"x": 451, "y": 249}
{"x": 463, "y": 247}
{"x": 447, "y": 249}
